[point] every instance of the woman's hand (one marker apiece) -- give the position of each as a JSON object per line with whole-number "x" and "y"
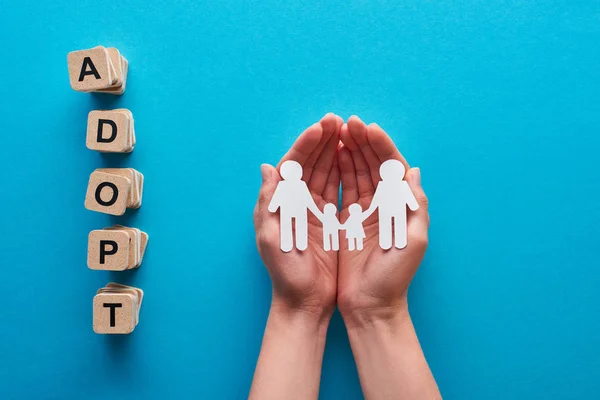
{"x": 370, "y": 284}
{"x": 303, "y": 280}
{"x": 373, "y": 283}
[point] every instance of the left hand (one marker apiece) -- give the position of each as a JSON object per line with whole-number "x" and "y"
{"x": 303, "y": 280}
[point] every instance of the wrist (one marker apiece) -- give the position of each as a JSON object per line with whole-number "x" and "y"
{"x": 389, "y": 316}
{"x": 300, "y": 315}
{"x": 388, "y": 355}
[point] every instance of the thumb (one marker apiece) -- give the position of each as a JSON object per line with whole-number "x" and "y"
{"x": 420, "y": 217}
{"x": 270, "y": 179}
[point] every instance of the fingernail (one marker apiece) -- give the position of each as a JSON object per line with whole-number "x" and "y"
{"x": 264, "y": 172}
{"x": 417, "y": 174}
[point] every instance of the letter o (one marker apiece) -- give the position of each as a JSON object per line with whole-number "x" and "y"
{"x": 114, "y": 196}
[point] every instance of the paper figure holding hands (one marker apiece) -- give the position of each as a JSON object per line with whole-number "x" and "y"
{"x": 331, "y": 228}
{"x": 355, "y": 233}
{"x": 391, "y": 198}
{"x": 293, "y": 199}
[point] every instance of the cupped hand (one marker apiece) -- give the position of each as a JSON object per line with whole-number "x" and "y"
{"x": 303, "y": 280}
{"x": 373, "y": 283}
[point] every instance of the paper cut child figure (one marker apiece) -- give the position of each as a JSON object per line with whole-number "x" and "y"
{"x": 293, "y": 199}
{"x": 355, "y": 232}
{"x": 391, "y": 198}
{"x": 331, "y": 228}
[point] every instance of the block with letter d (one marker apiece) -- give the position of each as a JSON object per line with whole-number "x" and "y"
{"x": 110, "y": 131}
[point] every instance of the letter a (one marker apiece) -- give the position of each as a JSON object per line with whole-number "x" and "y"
{"x": 84, "y": 72}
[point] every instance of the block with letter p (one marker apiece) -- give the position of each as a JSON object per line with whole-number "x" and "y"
{"x": 116, "y": 248}
{"x": 108, "y": 250}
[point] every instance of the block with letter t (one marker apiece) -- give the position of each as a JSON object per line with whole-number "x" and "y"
{"x": 116, "y": 309}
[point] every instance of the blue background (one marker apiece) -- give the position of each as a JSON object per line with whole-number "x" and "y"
{"x": 497, "y": 102}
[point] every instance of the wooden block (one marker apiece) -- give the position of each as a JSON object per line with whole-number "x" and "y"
{"x": 109, "y": 250}
{"x": 115, "y": 312}
{"x": 109, "y": 131}
{"x": 139, "y": 292}
{"x": 143, "y": 245}
{"x": 108, "y": 193}
{"x": 138, "y": 243}
{"x": 118, "y": 88}
{"x": 128, "y": 173}
{"x": 134, "y": 248}
{"x": 117, "y": 61}
{"x": 116, "y": 309}
{"x": 140, "y": 190}
{"x": 91, "y": 69}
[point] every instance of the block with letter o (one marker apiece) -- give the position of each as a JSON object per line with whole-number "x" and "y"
{"x": 107, "y": 193}
{"x": 113, "y": 190}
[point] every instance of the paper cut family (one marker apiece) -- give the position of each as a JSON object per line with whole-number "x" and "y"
{"x": 293, "y": 200}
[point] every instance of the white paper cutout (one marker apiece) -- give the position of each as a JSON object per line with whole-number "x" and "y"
{"x": 293, "y": 200}
{"x": 391, "y": 198}
{"x": 331, "y": 228}
{"x": 355, "y": 232}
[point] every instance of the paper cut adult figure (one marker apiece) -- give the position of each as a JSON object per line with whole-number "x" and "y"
{"x": 331, "y": 228}
{"x": 293, "y": 199}
{"x": 355, "y": 232}
{"x": 391, "y": 198}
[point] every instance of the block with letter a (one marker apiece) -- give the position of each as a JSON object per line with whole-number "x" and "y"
{"x": 99, "y": 69}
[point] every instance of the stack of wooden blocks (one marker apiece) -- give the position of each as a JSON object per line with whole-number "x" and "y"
{"x": 110, "y": 131}
{"x": 99, "y": 69}
{"x": 111, "y": 190}
{"x": 117, "y": 308}
{"x": 116, "y": 248}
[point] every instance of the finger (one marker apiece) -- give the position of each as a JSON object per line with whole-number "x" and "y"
{"x": 348, "y": 177}
{"x": 358, "y": 132}
{"x": 383, "y": 145}
{"x": 322, "y": 169}
{"x": 270, "y": 179}
{"x": 328, "y": 123}
{"x": 338, "y": 123}
{"x": 331, "y": 193}
{"x": 304, "y": 146}
{"x": 418, "y": 221}
{"x": 347, "y": 139}
{"x": 361, "y": 168}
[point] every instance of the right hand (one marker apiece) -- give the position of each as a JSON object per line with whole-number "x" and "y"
{"x": 373, "y": 283}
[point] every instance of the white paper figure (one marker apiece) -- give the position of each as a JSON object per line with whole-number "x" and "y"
{"x": 391, "y": 198}
{"x": 355, "y": 232}
{"x": 293, "y": 199}
{"x": 331, "y": 228}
